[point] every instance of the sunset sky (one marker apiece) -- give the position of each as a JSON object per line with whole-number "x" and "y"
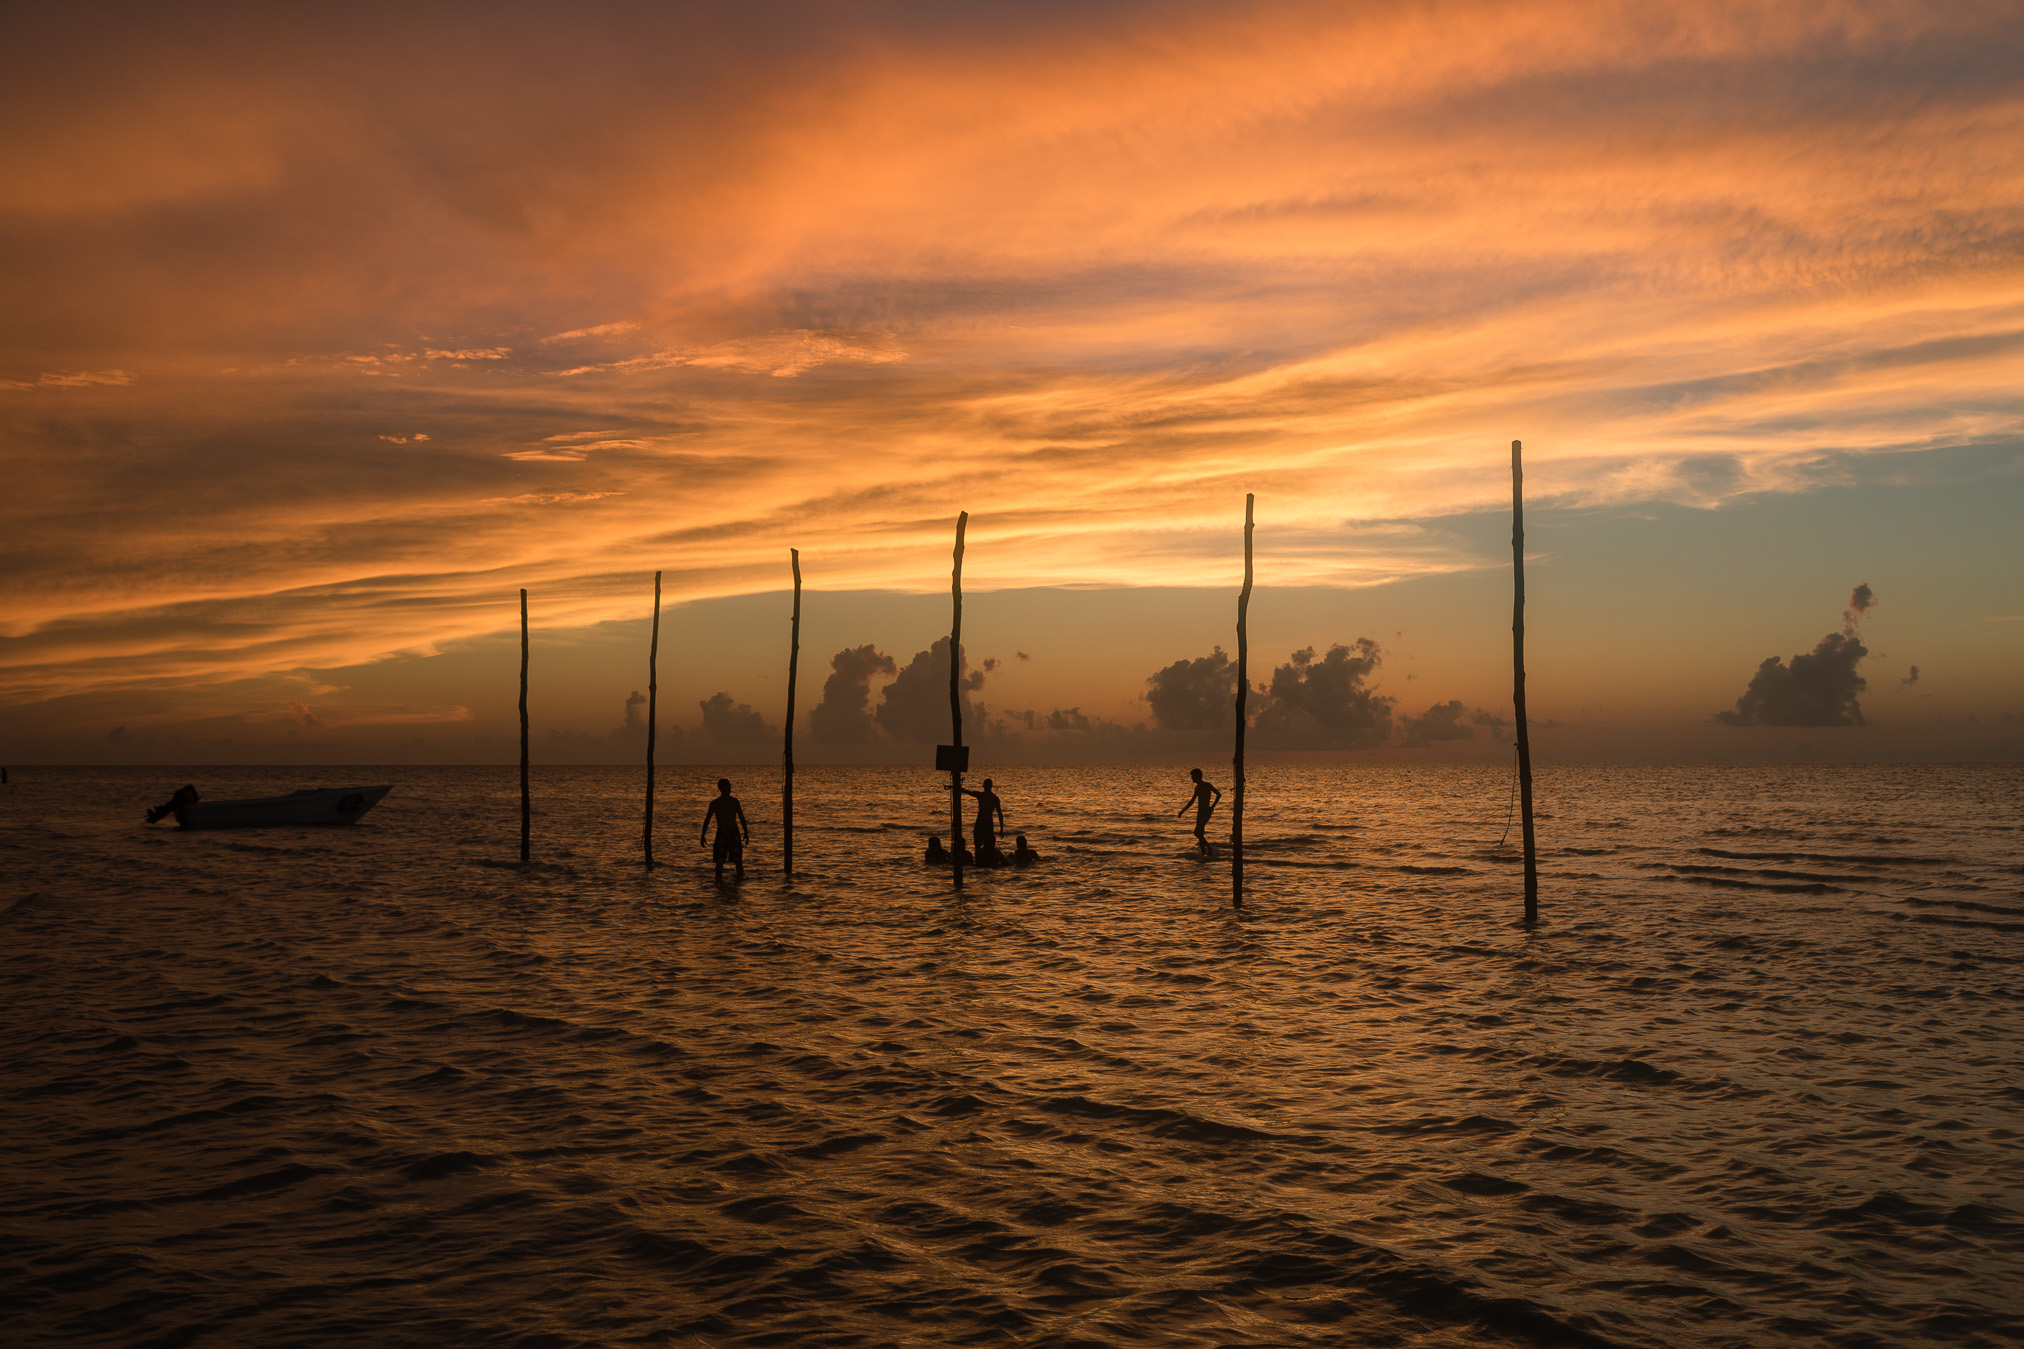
{"x": 327, "y": 328}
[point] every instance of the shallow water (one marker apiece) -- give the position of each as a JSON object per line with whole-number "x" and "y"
{"x": 1754, "y": 1080}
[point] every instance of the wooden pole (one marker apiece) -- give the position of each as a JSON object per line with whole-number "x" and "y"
{"x": 1518, "y": 679}
{"x": 956, "y": 707}
{"x": 526, "y": 801}
{"x": 653, "y": 707}
{"x": 1243, "y": 693}
{"x": 787, "y": 775}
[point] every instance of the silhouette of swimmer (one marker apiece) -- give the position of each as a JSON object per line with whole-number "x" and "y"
{"x": 1204, "y": 801}
{"x": 982, "y": 834}
{"x": 940, "y": 856}
{"x": 732, "y": 833}
{"x": 1022, "y": 856}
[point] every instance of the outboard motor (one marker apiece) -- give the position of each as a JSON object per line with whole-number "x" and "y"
{"x": 184, "y": 796}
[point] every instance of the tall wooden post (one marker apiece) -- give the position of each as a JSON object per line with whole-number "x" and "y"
{"x": 653, "y": 708}
{"x": 956, "y": 707}
{"x": 1518, "y": 679}
{"x": 787, "y": 751}
{"x": 1243, "y": 695}
{"x": 526, "y": 801}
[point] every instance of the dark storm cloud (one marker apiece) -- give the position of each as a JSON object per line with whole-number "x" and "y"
{"x": 1910, "y": 679}
{"x": 1194, "y": 695}
{"x": 635, "y": 711}
{"x": 915, "y": 706}
{"x": 843, "y": 716}
{"x": 1860, "y": 601}
{"x": 1325, "y": 704}
{"x": 729, "y": 723}
{"x": 1442, "y": 721}
{"x": 1819, "y": 688}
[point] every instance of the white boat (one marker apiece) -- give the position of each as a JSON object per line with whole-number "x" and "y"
{"x": 311, "y": 805}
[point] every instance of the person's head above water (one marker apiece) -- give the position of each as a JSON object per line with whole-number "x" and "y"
{"x": 987, "y": 784}
{"x": 723, "y": 786}
{"x": 1019, "y": 839}
{"x": 1195, "y": 773}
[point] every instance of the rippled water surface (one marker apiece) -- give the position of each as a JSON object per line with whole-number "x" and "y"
{"x": 1754, "y": 1079}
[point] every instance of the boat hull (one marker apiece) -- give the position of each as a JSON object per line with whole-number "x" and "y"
{"x": 310, "y": 806}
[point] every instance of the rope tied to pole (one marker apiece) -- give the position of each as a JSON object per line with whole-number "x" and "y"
{"x": 1512, "y": 813}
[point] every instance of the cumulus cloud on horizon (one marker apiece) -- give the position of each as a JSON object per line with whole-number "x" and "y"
{"x": 915, "y": 706}
{"x": 842, "y": 716}
{"x": 1327, "y": 703}
{"x": 1820, "y": 687}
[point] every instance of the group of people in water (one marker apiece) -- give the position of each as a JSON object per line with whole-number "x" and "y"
{"x": 987, "y": 855}
{"x": 733, "y": 833}
{"x": 983, "y": 851}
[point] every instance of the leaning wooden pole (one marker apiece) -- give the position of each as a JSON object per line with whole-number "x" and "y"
{"x": 1243, "y": 693}
{"x": 653, "y": 707}
{"x": 787, "y": 739}
{"x": 526, "y": 801}
{"x": 1518, "y": 679}
{"x": 956, "y": 707}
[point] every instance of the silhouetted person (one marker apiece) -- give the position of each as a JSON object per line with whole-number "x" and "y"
{"x": 936, "y": 852}
{"x": 1204, "y": 801}
{"x": 183, "y": 797}
{"x": 982, "y": 834}
{"x": 1022, "y": 856}
{"x": 732, "y": 835}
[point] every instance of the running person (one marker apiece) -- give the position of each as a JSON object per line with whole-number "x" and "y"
{"x": 1204, "y": 801}
{"x": 732, "y": 833}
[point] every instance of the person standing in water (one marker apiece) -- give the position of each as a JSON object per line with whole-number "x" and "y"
{"x": 732, "y": 834}
{"x": 1204, "y": 801}
{"x": 983, "y": 837}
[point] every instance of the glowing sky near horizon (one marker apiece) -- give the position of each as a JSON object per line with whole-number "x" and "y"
{"x": 328, "y": 328}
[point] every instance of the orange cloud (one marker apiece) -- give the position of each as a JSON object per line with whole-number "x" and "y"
{"x": 1091, "y": 277}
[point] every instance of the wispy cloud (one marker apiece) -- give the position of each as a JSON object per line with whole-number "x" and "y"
{"x": 598, "y": 330}
{"x": 780, "y": 354}
{"x": 470, "y": 354}
{"x": 554, "y": 498}
{"x": 73, "y": 379}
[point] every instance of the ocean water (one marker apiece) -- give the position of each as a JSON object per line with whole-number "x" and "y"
{"x": 1757, "y": 1078}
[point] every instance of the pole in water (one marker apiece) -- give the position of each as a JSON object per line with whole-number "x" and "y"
{"x": 956, "y": 707}
{"x": 1518, "y": 679}
{"x": 1243, "y": 692}
{"x": 787, "y": 750}
{"x": 526, "y": 802}
{"x": 653, "y": 702}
